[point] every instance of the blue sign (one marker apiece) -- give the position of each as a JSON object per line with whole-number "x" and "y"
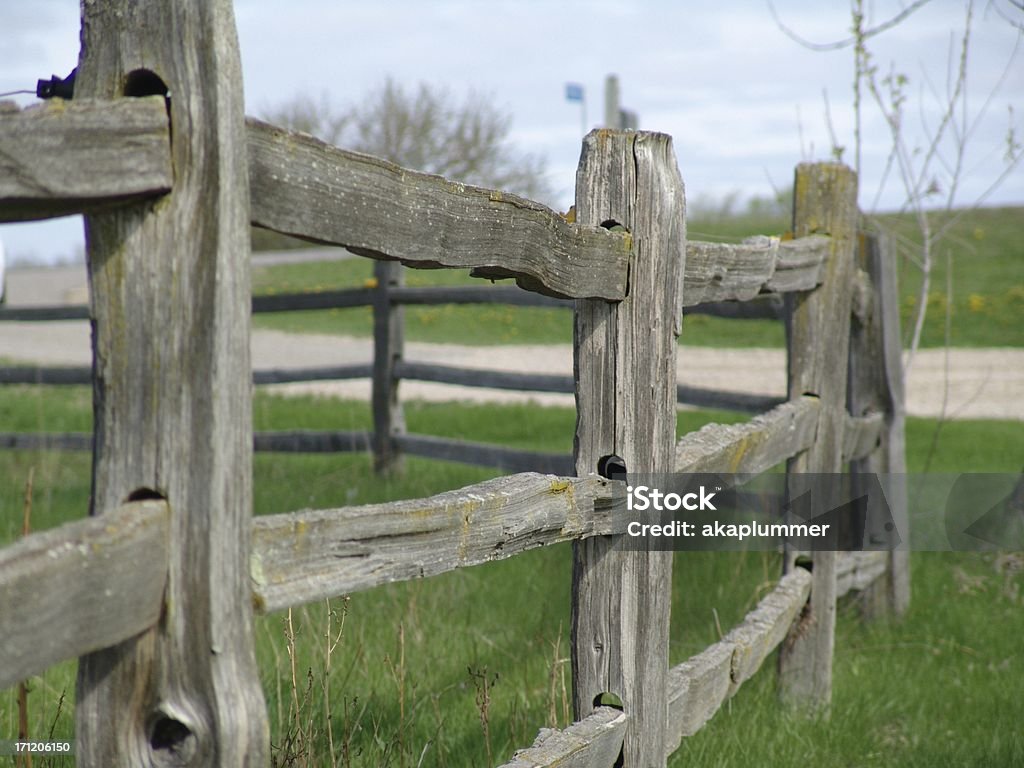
{"x": 573, "y": 92}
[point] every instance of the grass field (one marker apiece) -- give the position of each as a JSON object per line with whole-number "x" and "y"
{"x": 461, "y": 669}
{"x": 983, "y": 256}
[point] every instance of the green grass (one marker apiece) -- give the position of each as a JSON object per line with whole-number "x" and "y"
{"x": 986, "y": 256}
{"x": 413, "y": 659}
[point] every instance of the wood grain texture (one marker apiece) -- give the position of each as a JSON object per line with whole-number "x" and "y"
{"x": 761, "y": 264}
{"x": 876, "y": 389}
{"x": 859, "y": 571}
{"x": 824, "y": 202}
{"x": 697, "y": 688}
{"x": 83, "y": 586}
{"x": 625, "y": 366}
{"x": 86, "y": 155}
{"x": 310, "y": 555}
{"x": 754, "y": 447}
{"x": 862, "y": 435}
{"x": 306, "y": 188}
{"x": 594, "y": 742}
{"x": 701, "y": 685}
{"x": 170, "y": 300}
{"x": 765, "y": 627}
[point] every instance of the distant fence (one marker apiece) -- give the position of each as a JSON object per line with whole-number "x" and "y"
{"x": 155, "y": 590}
{"x": 389, "y": 440}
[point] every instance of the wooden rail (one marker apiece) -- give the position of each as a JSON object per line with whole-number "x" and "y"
{"x": 81, "y": 587}
{"x": 305, "y": 556}
{"x": 82, "y": 156}
{"x": 594, "y": 742}
{"x": 699, "y": 686}
{"x": 306, "y": 188}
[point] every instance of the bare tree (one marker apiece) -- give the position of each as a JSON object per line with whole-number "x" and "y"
{"x": 428, "y": 130}
{"x": 931, "y": 173}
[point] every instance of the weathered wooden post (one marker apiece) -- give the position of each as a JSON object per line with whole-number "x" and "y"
{"x": 876, "y": 386}
{"x": 172, "y": 395}
{"x": 388, "y": 347}
{"x": 625, "y": 360}
{"x": 824, "y": 203}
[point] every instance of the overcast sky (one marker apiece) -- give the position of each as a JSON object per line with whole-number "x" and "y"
{"x": 743, "y": 102}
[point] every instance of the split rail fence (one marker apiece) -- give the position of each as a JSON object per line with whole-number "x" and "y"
{"x": 155, "y": 590}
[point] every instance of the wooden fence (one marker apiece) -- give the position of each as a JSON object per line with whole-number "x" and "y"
{"x": 155, "y": 590}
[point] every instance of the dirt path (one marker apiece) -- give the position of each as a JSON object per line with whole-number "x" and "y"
{"x": 966, "y": 384}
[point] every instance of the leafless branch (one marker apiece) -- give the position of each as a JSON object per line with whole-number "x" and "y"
{"x": 849, "y": 41}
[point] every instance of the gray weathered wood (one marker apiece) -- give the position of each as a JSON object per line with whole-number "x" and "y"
{"x": 876, "y": 388}
{"x": 767, "y": 625}
{"x": 858, "y": 571}
{"x": 83, "y": 586}
{"x": 862, "y": 435}
{"x": 824, "y": 202}
{"x": 724, "y": 271}
{"x": 625, "y": 360}
{"x": 388, "y": 350}
{"x": 173, "y": 415}
{"x": 305, "y": 556}
{"x": 761, "y": 443}
{"x": 303, "y": 187}
{"x": 699, "y": 687}
{"x": 65, "y": 157}
{"x": 594, "y": 742}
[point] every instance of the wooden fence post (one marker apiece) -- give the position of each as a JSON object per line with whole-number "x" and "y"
{"x": 388, "y": 348}
{"x": 824, "y": 202}
{"x": 625, "y": 360}
{"x": 876, "y": 385}
{"x": 170, "y": 299}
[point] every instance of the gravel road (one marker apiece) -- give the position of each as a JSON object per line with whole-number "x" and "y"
{"x": 960, "y": 383}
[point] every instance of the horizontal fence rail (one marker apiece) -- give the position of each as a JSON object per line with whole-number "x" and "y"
{"x": 701, "y": 685}
{"x": 594, "y": 742}
{"x": 86, "y": 585}
{"x": 306, "y": 188}
{"x": 304, "y": 556}
{"x": 83, "y": 156}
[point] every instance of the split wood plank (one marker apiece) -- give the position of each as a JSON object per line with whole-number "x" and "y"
{"x": 728, "y": 271}
{"x": 824, "y": 202}
{"x": 305, "y": 556}
{"x": 86, "y": 155}
{"x": 701, "y": 685}
{"x": 306, "y": 188}
{"x": 753, "y": 447}
{"x": 625, "y": 361}
{"x": 594, "y": 742}
{"x": 86, "y": 585}
{"x": 876, "y": 388}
